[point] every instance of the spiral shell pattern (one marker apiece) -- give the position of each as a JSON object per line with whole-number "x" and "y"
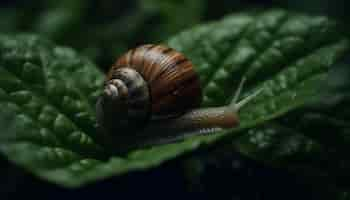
{"x": 172, "y": 82}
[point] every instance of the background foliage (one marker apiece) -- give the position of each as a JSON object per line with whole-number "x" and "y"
{"x": 318, "y": 167}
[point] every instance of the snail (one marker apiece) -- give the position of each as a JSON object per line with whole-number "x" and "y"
{"x": 152, "y": 96}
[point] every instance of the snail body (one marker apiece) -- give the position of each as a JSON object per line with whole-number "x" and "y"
{"x": 151, "y": 95}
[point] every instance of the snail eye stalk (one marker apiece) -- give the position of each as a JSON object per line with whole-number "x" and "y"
{"x": 239, "y": 104}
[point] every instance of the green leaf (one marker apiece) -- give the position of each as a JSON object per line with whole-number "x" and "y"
{"x": 49, "y": 92}
{"x": 312, "y": 141}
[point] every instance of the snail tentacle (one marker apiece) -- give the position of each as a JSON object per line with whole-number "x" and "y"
{"x": 247, "y": 99}
{"x": 238, "y": 91}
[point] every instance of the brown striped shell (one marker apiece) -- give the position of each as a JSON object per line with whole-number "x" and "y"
{"x": 173, "y": 84}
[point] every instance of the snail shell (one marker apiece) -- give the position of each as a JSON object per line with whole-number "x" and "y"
{"x": 149, "y": 82}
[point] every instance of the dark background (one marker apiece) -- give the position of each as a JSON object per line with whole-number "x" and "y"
{"x": 102, "y": 30}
